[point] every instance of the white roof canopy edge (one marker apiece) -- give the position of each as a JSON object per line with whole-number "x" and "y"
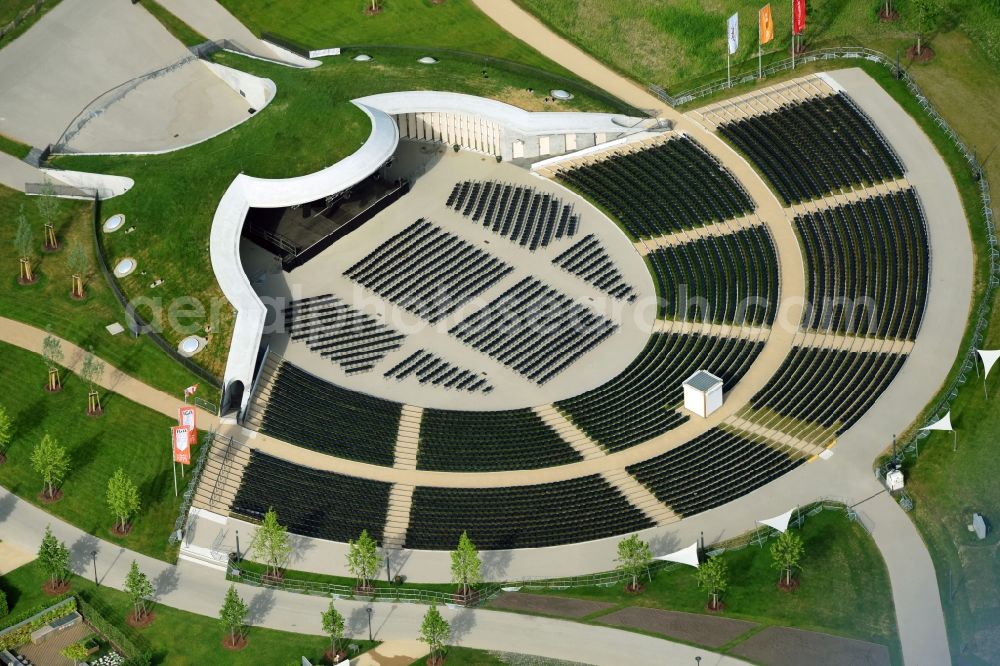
{"x": 247, "y": 192}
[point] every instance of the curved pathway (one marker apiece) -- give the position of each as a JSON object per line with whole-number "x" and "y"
{"x": 846, "y": 477}
{"x": 197, "y": 589}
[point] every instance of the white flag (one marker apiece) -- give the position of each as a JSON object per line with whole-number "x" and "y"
{"x": 734, "y": 33}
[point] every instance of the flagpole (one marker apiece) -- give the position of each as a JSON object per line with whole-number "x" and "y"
{"x": 793, "y": 34}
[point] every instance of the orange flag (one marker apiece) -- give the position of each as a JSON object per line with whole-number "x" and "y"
{"x": 766, "y": 24}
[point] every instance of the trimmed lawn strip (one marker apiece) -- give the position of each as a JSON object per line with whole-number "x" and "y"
{"x": 9, "y": 9}
{"x": 13, "y": 147}
{"x": 841, "y": 563}
{"x": 175, "y": 195}
{"x": 184, "y": 33}
{"x": 48, "y": 302}
{"x": 453, "y": 24}
{"x": 324, "y": 579}
{"x": 127, "y": 435}
{"x": 178, "y": 637}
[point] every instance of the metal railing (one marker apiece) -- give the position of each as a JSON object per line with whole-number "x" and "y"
{"x": 187, "y": 497}
{"x": 486, "y": 592}
{"x": 968, "y": 360}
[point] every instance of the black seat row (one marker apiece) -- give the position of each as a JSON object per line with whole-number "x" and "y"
{"x": 588, "y": 260}
{"x": 489, "y": 441}
{"x": 641, "y": 402}
{"x": 810, "y": 148}
{"x": 312, "y": 502}
{"x": 830, "y": 387}
{"x": 535, "y": 330}
{"x": 521, "y": 214}
{"x": 536, "y": 516}
{"x": 867, "y": 265}
{"x": 710, "y": 470}
{"x": 307, "y": 411}
{"x": 427, "y": 367}
{"x": 338, "y": 332}
{"x": 731, "y": 278}
{"x": 428, "y": 271}
{"x": 662, "y": 189}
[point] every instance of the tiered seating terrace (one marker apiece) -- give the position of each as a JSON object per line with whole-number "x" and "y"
{"x": 662, "y": 189}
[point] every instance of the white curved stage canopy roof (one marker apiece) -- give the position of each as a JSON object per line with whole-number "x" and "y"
{"x": 387, "y": 113}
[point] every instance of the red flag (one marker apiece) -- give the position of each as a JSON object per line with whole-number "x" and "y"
{"x": 798, "y": 16}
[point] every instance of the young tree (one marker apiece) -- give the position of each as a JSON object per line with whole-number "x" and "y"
{"x": 75, "y": 652}
{"x": 79, "y": 266}
{"x": 363, "y": 560}
{"x": 435, "y": 631}
{"x": 233, "y": 615}
{"x": 333, "y": 626}
{"x": 786, "y": 553}
{"x": 48, "y": 207}
{"x": 24, "y": 242}
{"x": 374, "y": 6}
{"x": 139, "y": 590}
{"x": 123, "y": 499}
{"x": 466, "y": 567}
{"x": 6, "y": 433}
{"x": 714, "y": 575}
{"x": 271, "y": 544}
{"x": 927, "y": 12}
{"x": 53, "y": 354}
{"x": 53, "y": 557}
{"x": 634, "y": 557}
{"x": 91, "y": 371}
{"x": 51, "y": 462}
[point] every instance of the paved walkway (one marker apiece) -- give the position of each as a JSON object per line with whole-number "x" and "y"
{"x": 201, "y": 590}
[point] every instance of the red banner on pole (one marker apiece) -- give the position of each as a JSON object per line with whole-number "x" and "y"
{"x": 187, "y": 417}
{"x": 181, "y": 437}
{"x": 798, "y": 16}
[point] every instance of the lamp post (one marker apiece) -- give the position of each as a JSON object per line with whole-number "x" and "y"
{"x": 238, "y": 546}
{"x": 93, "y": 556}
{"x": 369, "y": 609}
{"x": 697, "y": 660}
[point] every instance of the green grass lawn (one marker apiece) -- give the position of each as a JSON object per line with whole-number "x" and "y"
{"x": 48, "y": 303}
{"x": 380, "y": 584}
{"x": 844, "y": 586}
{"x": 11, "y": 9}
{"x": 127, "y": 435}
{"x": 176, "y": 637}
{"x": 309, "y": 125}
{"x": 453, "y": 24}
{"x": 13, "y": 147}
{"x": 184, "y": 33}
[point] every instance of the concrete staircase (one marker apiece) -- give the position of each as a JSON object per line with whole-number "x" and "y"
{"x": 408, "y": 437}
{"x": 262, "y": 392}
{"x": 640, "y": 497}
{"x": 569, "y": 433}
{"x": 222, "y": 475}
{"x": 397, "y": 520}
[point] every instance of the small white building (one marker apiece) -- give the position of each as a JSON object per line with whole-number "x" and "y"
{"x": 702, "y": 393}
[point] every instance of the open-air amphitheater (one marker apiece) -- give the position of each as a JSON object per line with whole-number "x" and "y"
{"x": 492, "y": 353}
{"x": 486, "y": 319}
